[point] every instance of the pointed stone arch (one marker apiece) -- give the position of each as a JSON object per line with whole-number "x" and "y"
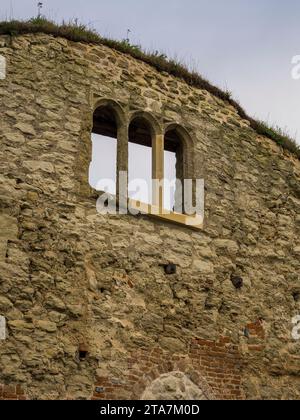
{"x": 183, "y": 132}
{"x": 185, "y": 145}
{"x": 115, "y": 107}
{"x": 152, "y": 121}
{"x": 105, "y": 107}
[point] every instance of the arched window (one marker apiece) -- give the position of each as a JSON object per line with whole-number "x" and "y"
{"x": 175, "y": 154}
{"x": 140, "y": 169}
{"x": 103, "y": 167}
{"x": 136, "y": 147}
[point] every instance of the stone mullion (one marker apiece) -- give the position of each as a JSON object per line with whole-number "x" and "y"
{"x": 158, "y": 144}
{"x": 122, "y": 164}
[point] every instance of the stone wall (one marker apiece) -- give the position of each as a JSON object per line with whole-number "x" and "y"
{"x": 71, "y": 279}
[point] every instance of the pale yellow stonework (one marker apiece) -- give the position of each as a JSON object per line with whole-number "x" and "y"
{"x": 70, "y": 277}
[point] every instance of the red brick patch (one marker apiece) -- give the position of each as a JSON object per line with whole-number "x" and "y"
{"x": 12, "y": 392}
{"x": 214, "y": 366}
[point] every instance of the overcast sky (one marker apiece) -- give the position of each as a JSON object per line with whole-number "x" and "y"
{"x": 245, "y": 46}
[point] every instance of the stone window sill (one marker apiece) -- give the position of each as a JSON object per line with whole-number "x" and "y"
{"x": 193, "y": 222}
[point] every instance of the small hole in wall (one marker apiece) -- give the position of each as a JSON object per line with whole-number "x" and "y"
{"x": 237, "y": 281}
{"x": 170, "y": 269}
{"x": 99, "y": 390}
{"x": 246, "y": 333}
{"x": 296, "y": 296}
{"x": 83, "y": 352}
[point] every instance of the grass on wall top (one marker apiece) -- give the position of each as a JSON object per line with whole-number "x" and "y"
{"x": 77, "y": 32}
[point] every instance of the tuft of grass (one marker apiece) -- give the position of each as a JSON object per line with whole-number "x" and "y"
{"x": 72, "y": 31}
{"x": 277, "y": 134}
{"x": 76, "y": 32}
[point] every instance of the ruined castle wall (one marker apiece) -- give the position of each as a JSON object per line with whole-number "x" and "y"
{"x": 71, "y": 277}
